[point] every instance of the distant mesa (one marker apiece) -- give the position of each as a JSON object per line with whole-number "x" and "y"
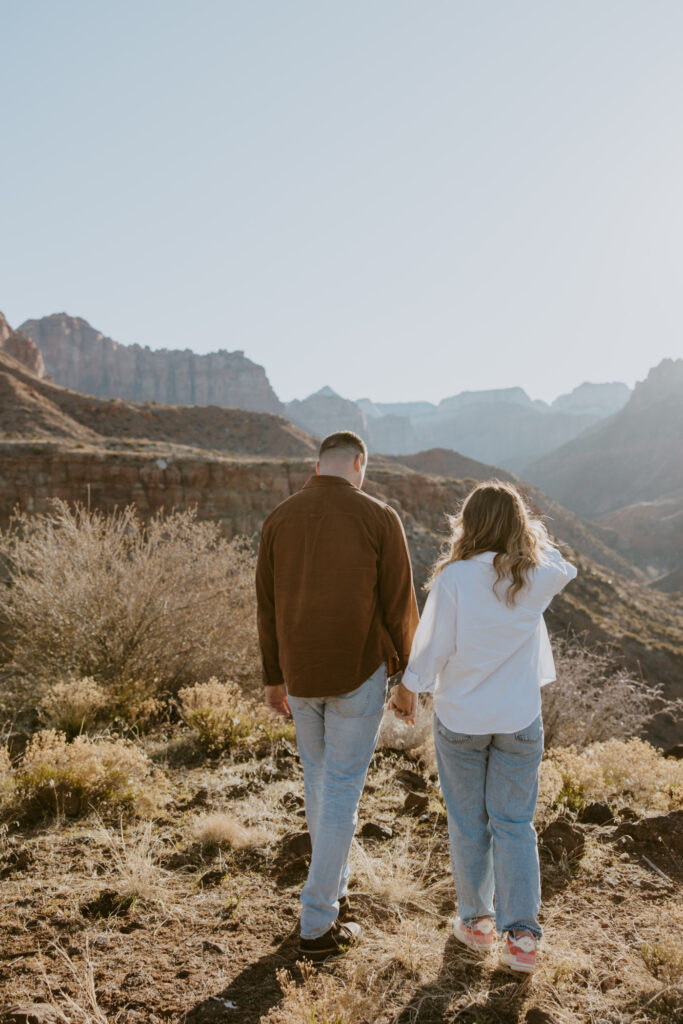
{"x": 83, "y": 359}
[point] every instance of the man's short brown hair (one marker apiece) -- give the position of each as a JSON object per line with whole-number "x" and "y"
{"x": 344, "y": 441}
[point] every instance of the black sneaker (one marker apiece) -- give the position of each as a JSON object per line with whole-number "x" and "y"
{"x": 336, "y": 941}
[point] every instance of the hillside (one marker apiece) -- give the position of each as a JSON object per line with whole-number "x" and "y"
{"x": 37, "y": 408}
{"x": 82, "y": 358}
{"x": 627, "y": 472}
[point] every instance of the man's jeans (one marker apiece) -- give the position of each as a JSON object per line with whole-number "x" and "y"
{"x": 337, "y": 737}
{"x": 489, "y": 785}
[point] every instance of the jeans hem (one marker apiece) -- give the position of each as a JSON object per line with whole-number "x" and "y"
{"x": 317, "y": 935}
{"x": 527, "y": 926}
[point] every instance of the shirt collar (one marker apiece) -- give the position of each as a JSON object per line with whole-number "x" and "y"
{"x": 484, "y": 556}
{"x": 326, "y": 480}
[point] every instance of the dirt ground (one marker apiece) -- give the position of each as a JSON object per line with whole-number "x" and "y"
{"x": 134, "y": 921}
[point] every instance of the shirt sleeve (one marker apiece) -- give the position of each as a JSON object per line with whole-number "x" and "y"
{"x": 434, "y": 641}
{"x": 265, "y": 614}
{"x": 550, "y": 577}
{"x": 395, "y": 588}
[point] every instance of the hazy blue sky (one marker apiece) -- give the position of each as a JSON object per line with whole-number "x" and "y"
{"x": 400, "y": 199}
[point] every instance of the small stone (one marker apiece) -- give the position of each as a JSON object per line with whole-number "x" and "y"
{"x": 675, "y": 751}
{"x": 211, "y": 878}
{"x": 211, "y": 947}
{"x": 535, "y": 1015}
{"x": 627, "y": 814}
{"x": 624, "y": 856}
{"x": 374, "y": 830}
{"x": 563, "y": 836}
{"x": 296, "y": 845}
{"x": 415, "y": 803}
{"x": 411, "y": 780}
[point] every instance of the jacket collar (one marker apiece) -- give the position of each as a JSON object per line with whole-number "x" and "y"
{"x": 326, "y": 480}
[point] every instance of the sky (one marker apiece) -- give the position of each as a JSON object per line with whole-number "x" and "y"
{"x": 402, "y": 200}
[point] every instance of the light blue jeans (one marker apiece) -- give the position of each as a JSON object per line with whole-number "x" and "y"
{"x": 490, "y": 785}
{"x": 337, "y": 737}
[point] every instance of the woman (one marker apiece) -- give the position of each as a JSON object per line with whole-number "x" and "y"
{"x": 482, "y": 647}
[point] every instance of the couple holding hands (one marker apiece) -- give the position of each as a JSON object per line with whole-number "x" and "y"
{"x": 337, "y": 616}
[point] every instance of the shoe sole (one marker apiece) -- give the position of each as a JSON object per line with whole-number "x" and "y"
{"x": 474, "y": 946}
{"x": 319, "y": 955}
{"x": 517, "y": 968}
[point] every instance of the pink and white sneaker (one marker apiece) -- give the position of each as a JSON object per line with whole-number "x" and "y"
{"x": 519, "y": 951}
{"x": 479, "y": 935}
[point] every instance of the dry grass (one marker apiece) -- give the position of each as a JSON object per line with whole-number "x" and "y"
{"x": 611, "y": 948}
{"x": 223, "y": 830}
{"x": 140, "y": 608}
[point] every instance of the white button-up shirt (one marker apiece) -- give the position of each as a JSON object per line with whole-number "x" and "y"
{"x": 485, "y": 661}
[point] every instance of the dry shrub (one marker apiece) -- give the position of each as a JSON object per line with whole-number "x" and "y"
{"x": 218, "y": 712}
{"x": 73, "y": 706}
{"x": 550, "y": 784}
{"x": 592, "y": 699}
{"x": 141, "y": 608}
{"x": 61, "y": 776}
{"x": 617, "y": 771}
{"x": 221, "y": 715}
{"x": 223, "y": 830}
{"x": 7, "y": 783}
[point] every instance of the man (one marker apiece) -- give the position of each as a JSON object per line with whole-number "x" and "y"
{"x": 336, "y": 616}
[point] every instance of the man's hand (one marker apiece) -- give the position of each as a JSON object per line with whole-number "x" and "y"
{"x": 403, "y": 703}
{"x": 276, "y": 700}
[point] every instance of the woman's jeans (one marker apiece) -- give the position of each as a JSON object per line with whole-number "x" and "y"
{"x": 489, "y": 785}
{"x": 337, "y": 737}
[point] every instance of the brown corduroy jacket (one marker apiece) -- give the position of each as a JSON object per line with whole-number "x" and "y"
{"x": 334, "y": 588}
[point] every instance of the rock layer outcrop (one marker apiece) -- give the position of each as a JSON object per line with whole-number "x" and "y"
{"x": 82, "y": 358}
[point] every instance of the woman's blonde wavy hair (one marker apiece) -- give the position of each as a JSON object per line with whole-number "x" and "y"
{"x": 494, "y": 517}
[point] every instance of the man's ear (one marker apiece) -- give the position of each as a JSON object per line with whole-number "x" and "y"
{"x": 358, "y": 463}
{"x": 317, "y": 468}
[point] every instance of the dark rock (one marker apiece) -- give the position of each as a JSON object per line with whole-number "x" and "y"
{"x": 410, "y": 780}
{"x": 291, "y": 801}
{"x": 415, "y": 803}
{"x": 675, "y": 751}
{"x": 108, "y": 903}
{"x": 563, "y": 837}
{"x": 534, "y": 1015}
{"x": 596, "y": 814}
{"x": 295, "y": 845}
{"x": 211, "y": 947}
{"x": 211, "y": 878}
{"x": 15, "y": 860}
{"x": 628, "y": 814}
{"x": 373, "y": 830}
{"x": 666, "y": 827}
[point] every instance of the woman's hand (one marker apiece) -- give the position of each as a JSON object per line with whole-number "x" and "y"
{"x": 403, "y": 703}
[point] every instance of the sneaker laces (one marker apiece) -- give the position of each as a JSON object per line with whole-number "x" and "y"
{"x": 484, "y": 925}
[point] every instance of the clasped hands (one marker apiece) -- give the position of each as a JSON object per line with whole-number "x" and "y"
{"x": 401, "y": 701}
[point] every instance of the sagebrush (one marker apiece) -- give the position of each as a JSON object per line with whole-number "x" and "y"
{"x": 140, "y": 608}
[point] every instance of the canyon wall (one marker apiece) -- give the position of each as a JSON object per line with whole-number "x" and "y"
{"x": 83, "y": 359}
